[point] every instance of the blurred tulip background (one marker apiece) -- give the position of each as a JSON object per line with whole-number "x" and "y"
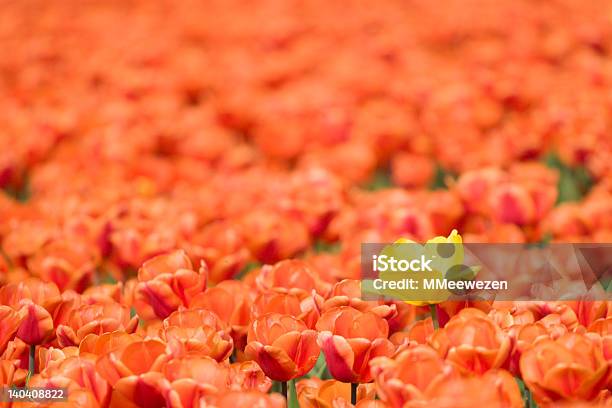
{"x": 185, "y": 187}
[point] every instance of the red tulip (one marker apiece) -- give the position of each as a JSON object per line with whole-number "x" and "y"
{"x": 36, "y": 325}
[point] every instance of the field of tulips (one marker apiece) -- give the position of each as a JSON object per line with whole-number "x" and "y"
{"x": 185, "y": 187}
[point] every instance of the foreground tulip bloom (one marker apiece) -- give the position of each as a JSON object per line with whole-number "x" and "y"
{"x": 197, "y": 331}
{"x": 78, "y": 396}
{"x": 347, "y": 292}
{"x": 140, "y": 391}
{"x": 7, "y": 372}
{"x": 257, "y": 399}
{"x": 230, "y": 300}
{"x": 10, "y": 323}
{"x": 282, "y": 345}
{"x": 294, "y": 303}
{"x": 214, "y": 377}
{"x": 315, "y": 393}
{"x": 350, "y": 339}
{"x": 472, "y": 342}
{"x": 36, "y": 324}
{"x": 290, "y": 274}
{"x": 98, "y": 318}
{"x": 45, "y": 294}
{"x": 81, "y": 371}
{"x": 410, "y": 376}
{"x": 573, "y": 368}
{"x": 99, "y": 345}
{"x": 496, "y": 388}
{"x": 134, "y": 358}
{"x": 167, "y": 282}
{"x": 249, "y": 376}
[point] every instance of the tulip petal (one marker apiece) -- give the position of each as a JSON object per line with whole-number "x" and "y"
{"x": 339, "y": 356}
{"x": 143, "y": 391}
{"x": 140, "y": 356}
{"x": 273, "y": 361}
{"x": 36, "y": 324}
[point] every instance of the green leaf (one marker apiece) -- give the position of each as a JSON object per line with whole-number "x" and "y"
{"x": 21, "y": 193}
{"x": 277, "y": 387}
{"x": 441, "y": 176}
{"x": 107, "y": 278}
{"x": 320, "y": 369}
{"x": 246, "y": 269}
{"x": 542, "y": 243}
{"x": 574, "y": 182}
{"x": 7, "y": 259}
{"x": 526, "y": 394}
{"x": 381, "y": 180}
{"x": 322, "y": 246}
{"x": 292, "y": 398}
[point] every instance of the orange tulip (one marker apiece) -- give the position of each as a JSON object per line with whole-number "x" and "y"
{"x": 410, "y": 375}
{"x": 222, "y": 247}
{"x": 10, "y": 323}
{"x": 185, "y": 393}
{"x": 589, "y": 311}
{"x": 249, "y": 376}
{"x": 295, "y": 303}
{"x": 472, "y": 342}
{"x": 282, "y": 345}
{"x": 45, "y": 294}
{"x": 197, "y": 331}
{"x": 404, "y": 317}
{"x": 350, "y": 339}
{"x": 134, "y": 358}
{"x": 496, "y": 388}
{"x": 348, "y": 293}
{"x": 418, "y": 333}
{"x": 258, "y": 399}
{"x": 272, "y": 236}
{"x": 211, "y": 375}
{"x": 140, "y": 391}
{"x": 83, "y": 372}
{"x": 69, "y": 264}
{"x": 167, "y": 282}
{"x": 573, "y": 367}
{"x": 524, "y": 336}
{"x": 52, "y": 357}
{"x": 542, "y": 309}
{"x": 205, "y": 341}
{"x": 36, "y": 326}
{"x": 105, "y": 343}
{"x": 77, "y": 395}
{"x": 103, "y": 292}
{"x": 290, "y": 274}
{"x": 98, "y": 318}
{"x": 315, "y": 393}
{"x": 448, "y": 309}
{"x": 18, "y": 351}
{"x": 7, "y": 372}
{"x": 410, "y": 170}
{"x": 230, "y": 300}
{"x": 603, "y": 327}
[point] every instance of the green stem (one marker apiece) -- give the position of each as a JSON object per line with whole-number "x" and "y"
{"x": 292, "y": 401}
{"x": 284, "y": 389}
{"x": 32, "y": 363}
{"x": 354, "y": 393}
{"x": 434, "y": 317}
